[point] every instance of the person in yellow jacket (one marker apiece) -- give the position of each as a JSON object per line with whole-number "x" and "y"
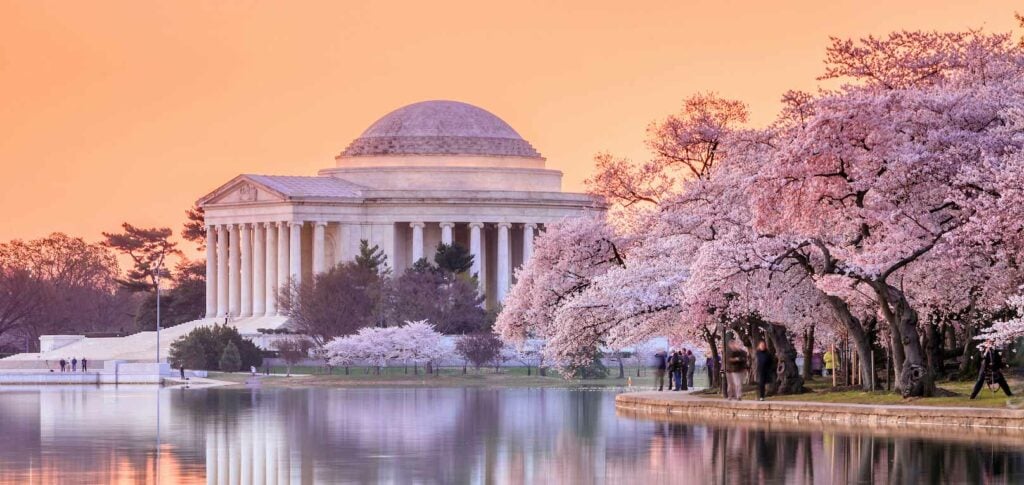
{"x": 830, "y": 362}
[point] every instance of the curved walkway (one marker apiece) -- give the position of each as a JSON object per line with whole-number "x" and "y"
{"x": 660, "y": 405}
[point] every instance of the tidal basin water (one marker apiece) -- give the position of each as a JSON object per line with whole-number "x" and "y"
{"x": 278, "y": 436}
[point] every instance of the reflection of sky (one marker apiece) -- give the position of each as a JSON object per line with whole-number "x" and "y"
{"x": 108, "y": 435}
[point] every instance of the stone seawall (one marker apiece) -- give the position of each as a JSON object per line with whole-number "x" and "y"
{"x": 63, "y": 378}
{"x": 113, "y": 372}
{"x": 852, "y": 417}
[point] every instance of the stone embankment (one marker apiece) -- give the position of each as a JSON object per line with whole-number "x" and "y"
{"x": 851, "y": 417}
{"x": 112, "y": 372}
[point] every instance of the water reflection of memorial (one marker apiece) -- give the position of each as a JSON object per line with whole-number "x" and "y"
{"x": 448, "y": 436}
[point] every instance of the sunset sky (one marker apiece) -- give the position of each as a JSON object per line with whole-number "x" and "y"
{"x": 129, "y": 111}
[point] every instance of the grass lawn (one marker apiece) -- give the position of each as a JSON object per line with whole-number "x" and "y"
{"x": 823, "y": 392}
{"x": 448, "y": 377}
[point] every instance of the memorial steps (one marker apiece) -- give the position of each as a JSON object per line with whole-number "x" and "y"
{"x": 139, "y": 347}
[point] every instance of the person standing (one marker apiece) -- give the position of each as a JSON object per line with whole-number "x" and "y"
{"x": 991, "y": 372}
{"x": 830, "y": 362}
{"x": 672, "y": 364}
{"x": 681, "y": 370}
{"x": 63, "y": 364}
{"x": 764, "y": 365}
{"x": 709, "y": 365}
{"x": 74, "y": 364}
{"x": 691, "y": 366}
{"x": 85, "y": 365}
{"x": 735, "y": 368}
{"x": 659, "y": 370}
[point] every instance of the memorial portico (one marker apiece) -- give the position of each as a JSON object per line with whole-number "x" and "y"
{"x": 428, "y": 173}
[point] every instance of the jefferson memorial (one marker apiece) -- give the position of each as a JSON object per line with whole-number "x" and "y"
{"x": 426, "y": 173}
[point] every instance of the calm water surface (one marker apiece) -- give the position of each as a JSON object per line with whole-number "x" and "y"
{"x": 219, "y": 436}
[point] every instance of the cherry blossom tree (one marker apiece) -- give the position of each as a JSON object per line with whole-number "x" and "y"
{"x": 418, "y": 342}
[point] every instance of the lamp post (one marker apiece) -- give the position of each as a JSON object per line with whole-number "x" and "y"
{"x": 159, "y": 267}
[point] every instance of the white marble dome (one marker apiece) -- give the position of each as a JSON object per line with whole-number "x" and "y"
{"x": 440, "y": 128}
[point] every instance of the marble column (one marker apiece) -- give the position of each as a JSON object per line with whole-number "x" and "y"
{"x": 295, "y": 252}
{"x": 528, "y": 230}
{"x": 319, "y": 247}
{"x": 211, "y": 272}
{"x": 340, "y": 244}
{"x": 446, "y": 232}
{"x": 259, "y": 271}
{"x": 270, "y": 285}
{"x": 283, "y": 267}
{"x": 246, "y": 277}
{"x": 475, "y": 250}
{"x": 222, "y": 270}
{"x": 417, "y": 240}
{"x": 504, "y": 260}
{"x": 234, "y": 271}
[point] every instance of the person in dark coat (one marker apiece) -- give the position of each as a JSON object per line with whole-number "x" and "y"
{"x": 63, "y": 364}
{"x": 764, "y": 366}
{"x": 691, "y": 366}
{"x": 736, "y": 369}
{"x": 660, "y": 364}
{"x": 991, "y": 372}
{"x": 74, "y": 364}
{"x": 85, "y": 365}
{"x": 673, "y": 369}
{"x": 681, "y": 370}
{"x": 709, "y": 365}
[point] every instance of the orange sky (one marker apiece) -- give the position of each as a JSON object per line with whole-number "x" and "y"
{"x": 129, "y": 111}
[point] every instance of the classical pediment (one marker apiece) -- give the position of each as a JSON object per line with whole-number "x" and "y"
{"x": 242, "y": 190}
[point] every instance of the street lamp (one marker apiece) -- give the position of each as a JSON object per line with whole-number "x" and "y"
{"x": 158, "y": 271}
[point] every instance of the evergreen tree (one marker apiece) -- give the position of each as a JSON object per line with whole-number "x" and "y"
{"x": 453, "y": 258}
{"x": 212, "y": 341}
{"x": 372, "y": 258}
{"x": 148, "y": 248}
{"x": 194, "y": 228}
{"x": 230, "y": 360}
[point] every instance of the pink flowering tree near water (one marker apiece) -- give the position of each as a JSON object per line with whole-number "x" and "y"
{"x": 887, "y": 209}
{"x": 417, "y": 342}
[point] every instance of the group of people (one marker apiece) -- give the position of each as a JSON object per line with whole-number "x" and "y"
{"x": 71, "y": 365}
{"x": 680, "y": 366}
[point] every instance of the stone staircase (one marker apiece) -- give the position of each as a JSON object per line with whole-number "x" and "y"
{"x": 139, "y": 347}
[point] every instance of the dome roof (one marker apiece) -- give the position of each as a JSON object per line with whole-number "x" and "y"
{"x": 440, "y": 128}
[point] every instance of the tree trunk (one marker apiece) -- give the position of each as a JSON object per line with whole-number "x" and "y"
{"x": 914, "y": 377}
{"x": 856, "y": 331}
{"x": 788, "y": 380}
{"x": 712, "y": 341}
{"x": 622, "y": 369}
{"x": 934, "y": 348}
{"x": 808, "y": 353}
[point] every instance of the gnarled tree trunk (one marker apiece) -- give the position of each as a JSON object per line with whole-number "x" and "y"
{"x": 788, "y": 379}
{"x": 914, "y": 378}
